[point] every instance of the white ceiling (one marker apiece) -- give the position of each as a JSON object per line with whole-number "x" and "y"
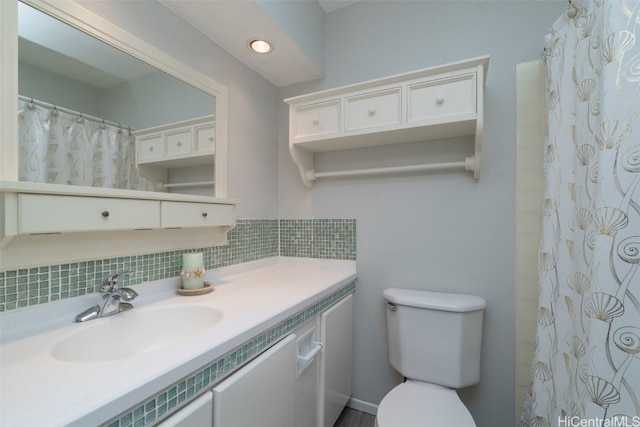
{"x": 231, "y": 24}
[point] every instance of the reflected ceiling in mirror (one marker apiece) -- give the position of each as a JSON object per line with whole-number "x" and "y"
{"x": 63, "y": 66}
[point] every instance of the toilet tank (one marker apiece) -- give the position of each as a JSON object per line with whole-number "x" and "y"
{"x": 435, "y": 337}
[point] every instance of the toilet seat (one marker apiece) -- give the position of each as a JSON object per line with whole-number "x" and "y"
{"x": 420, "y": 404}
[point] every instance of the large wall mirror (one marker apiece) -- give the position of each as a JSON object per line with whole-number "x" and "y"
{"x": 76, "y": 69}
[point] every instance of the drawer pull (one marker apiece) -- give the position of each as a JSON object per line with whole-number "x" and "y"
{"x": 105, "y": 214}
{"x": 150, "y": 149}
{"x": 211, "y": 138}
{"x": 372, "y": 111}
{"x": 204, "y": 214}
{"x": 439, "y": 99}
{"x": 315, "y": 121}
{"x": 179, "y": 143}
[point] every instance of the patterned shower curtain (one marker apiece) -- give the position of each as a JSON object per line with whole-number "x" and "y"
{"x": 586, "y": 368}
{"x": 59, "y": 148}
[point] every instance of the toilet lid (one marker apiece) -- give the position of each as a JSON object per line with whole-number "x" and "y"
{"x": 413, "y": 404}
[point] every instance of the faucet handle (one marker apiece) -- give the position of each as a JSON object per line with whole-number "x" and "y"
{"x": 111, "y": 281}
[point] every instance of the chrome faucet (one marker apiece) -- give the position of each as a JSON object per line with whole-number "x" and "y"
{"x": 116, "y": 299}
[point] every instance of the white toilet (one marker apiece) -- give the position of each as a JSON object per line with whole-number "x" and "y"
{"x": 434, "y": 341}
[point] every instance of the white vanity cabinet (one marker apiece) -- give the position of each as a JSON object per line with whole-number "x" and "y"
{"x": 336, "y": 325}
{"x": 434, "y": 103}
{"x": 198, "y": 413}
{"x": 261, "y": 393}
{"x": 303, "y": 381}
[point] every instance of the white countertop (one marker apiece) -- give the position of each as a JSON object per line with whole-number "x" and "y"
{"x": 38, "y": 390}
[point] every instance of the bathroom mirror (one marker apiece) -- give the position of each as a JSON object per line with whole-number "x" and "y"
{"x": 100, "y": 72}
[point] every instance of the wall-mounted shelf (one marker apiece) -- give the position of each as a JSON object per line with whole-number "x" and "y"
{"x": 177, "y": 145}
{"x": 433, "y": 103}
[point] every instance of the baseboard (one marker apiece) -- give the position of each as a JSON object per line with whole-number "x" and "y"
{"x": 361, "y": 405}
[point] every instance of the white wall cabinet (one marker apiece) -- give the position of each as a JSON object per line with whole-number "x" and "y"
{"x": 261, "y": 393}
{"x": 434, "y": 103}
{"x": 41, "y": 225}
{"x": 336, "y": 325}
{"x": 178, "y": 145}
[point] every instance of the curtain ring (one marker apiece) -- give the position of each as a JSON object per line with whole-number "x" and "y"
{"x": 572, "y": 11}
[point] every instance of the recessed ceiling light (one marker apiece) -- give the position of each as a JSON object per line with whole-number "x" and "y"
{"x": 260, "y": 46}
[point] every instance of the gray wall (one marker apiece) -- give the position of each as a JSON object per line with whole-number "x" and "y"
{"x": 443, "y": 232}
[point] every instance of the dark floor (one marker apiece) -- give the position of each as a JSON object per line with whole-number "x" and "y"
{"x": 353, "y": 418}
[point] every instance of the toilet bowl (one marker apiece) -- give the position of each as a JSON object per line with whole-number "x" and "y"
{"x": 419, "y": 404}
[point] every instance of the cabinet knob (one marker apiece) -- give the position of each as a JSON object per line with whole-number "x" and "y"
{"x": 204, "y": 214}
{"x": 150, "y": 148}
{"x": 316, "y": 121}
{"x": 105, "y": 214}
{"x": 179, "y": 143}
{"x": 439, "y": 99}
{"x": 211, "y": 138}
{"x": 372, "y": 111}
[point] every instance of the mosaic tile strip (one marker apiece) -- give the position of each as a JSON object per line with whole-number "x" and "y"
{"x": 173, "y": 398}
{"x": 250, "y": 240}
{"x": 318, "y": 238}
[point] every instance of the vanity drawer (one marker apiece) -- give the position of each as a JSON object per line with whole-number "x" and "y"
{"x": 40, "y": 213}
{"x": 205, "y": 139}
{"x": 434, "y": 99}
{"x": 179, "y": 215}
{"x": 150, "y": 148}
{"x": 373, "y": 109}
{"x": 316, "y": 119}
{"x": 179, "y": 143}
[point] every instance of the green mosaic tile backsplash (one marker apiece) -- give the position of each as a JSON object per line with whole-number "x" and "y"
{"x": 250, "y": 240}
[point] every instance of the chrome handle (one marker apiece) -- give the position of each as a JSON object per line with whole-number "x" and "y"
{"x": 110, "y": 284}
{"x": 391, "y": 306}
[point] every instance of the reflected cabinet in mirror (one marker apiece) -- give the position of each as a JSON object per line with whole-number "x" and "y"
{"x": 97, "y": 107}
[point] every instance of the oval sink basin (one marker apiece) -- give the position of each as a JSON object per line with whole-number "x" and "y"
{"x": 135, "y": 332}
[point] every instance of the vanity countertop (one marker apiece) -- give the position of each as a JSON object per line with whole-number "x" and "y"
{"x": 39, "y": 390}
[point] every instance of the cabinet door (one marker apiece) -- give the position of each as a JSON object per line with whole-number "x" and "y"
{"x": 205, "y": 139}
{"x": 150, "y": 148}
{"x": 372, "y": 110}
{"x": 336, "y": 330}
{"x": 183, "y": 215}
{"x": 433, "y": 100}
{"x": 198, "y": 413}
{"x": 316, "y": 120}
{"x": 262, "y": 393}
{"x": 179, "y": 142}
{"x": 39, "y": 213}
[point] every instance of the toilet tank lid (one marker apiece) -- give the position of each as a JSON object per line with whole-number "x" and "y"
{"x": 434, "y": 300}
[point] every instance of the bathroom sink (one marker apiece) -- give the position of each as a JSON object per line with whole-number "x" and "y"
{"x": 135, "y": 332}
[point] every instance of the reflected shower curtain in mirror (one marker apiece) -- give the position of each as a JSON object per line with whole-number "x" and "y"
{"x": 586, "y": 367}
{"x": 60, "y": 148}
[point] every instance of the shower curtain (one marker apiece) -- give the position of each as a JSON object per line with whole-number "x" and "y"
{"x": 60, "y": 148}
{"x": 586, "y": 368}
